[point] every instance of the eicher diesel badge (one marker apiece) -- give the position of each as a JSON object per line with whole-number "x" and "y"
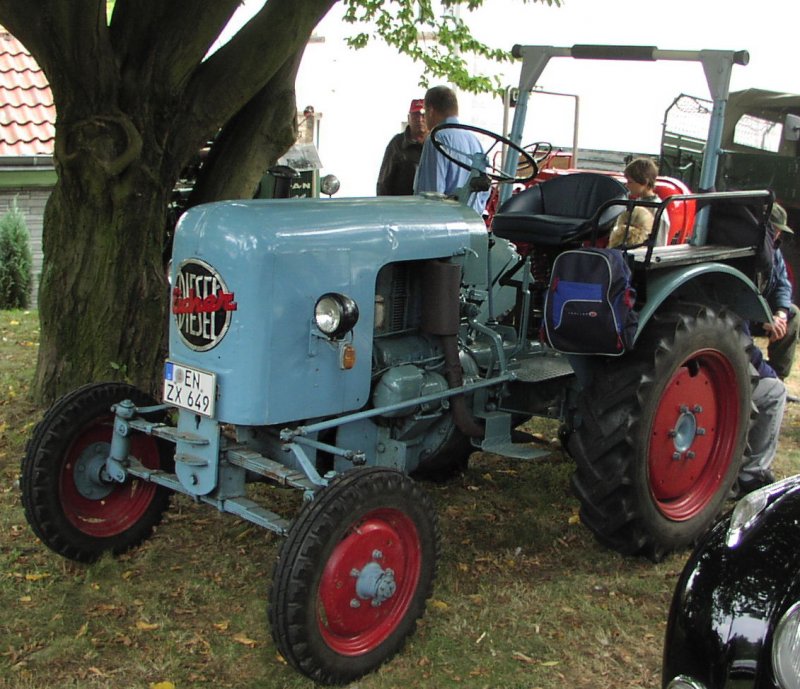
{"x": 201, "y": 304}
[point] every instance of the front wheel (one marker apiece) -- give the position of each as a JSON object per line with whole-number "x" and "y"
{"x": 68, "y": 502}
{"x": 353, "y": 576}
{"x": 660, "y": 433}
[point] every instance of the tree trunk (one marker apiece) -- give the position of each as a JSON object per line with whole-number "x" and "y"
{"x": 103, "y": 293}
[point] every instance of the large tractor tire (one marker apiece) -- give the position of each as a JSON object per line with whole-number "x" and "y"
{"x": 353, "y": 576}
{"x": 69, "y": 504}
{"x": 659, "y": 433}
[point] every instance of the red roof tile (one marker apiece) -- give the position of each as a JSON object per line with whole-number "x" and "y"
{"x": 27, "y": 113}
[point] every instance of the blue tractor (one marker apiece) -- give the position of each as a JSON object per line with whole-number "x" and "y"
{"x": 345, "y": 347}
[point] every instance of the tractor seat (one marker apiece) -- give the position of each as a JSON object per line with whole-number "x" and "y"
{"x": 559, "y": 210}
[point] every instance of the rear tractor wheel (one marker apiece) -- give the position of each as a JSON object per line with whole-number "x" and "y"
{"x": 660, "y": 433}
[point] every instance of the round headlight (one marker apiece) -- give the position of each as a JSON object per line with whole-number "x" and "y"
{"x": 786, "y": 649}
{"x": 329, "y": 185}
{"x": 335, "y": 314}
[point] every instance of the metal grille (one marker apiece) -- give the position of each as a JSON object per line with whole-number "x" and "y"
{"x": 689, "y": 116}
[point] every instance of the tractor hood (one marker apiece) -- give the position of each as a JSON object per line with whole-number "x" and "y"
{"x": 246, "y": 276}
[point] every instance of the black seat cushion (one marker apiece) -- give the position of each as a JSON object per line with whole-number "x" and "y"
{"x": 559, "y": 210}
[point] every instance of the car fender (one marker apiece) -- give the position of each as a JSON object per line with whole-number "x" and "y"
{"x": 730, "y": 597}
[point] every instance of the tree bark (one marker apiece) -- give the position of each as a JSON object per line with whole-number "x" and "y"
{"x": 102, "y": 301}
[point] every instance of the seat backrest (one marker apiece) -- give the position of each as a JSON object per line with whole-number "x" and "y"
{"x": 681, "y": 213}
{"x": 528, "y": 201}
{"x": 579, "y": 195}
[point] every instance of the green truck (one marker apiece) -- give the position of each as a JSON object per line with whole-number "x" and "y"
{"x": 759, "y": 150}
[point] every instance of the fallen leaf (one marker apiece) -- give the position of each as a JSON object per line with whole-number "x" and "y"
{"x": 521, "y": 657}
{"x": 439, "y": 604}
{"x": 222, "y": 626}
{"x": 549, "y": 663}
{"x": 25, "y": 599}
{"x": 241, "y": 638}
{"x": 143, "y": 626}
{"x": 36, "y": 576}
{"x": 162, "y": 685}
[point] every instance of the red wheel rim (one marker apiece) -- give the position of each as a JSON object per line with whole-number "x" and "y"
{"x": 351, "y": 625}
{"x": 126, "y": 502}
{"x": 694, "y": 433}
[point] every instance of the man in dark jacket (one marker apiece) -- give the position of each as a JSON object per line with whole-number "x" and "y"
{"x": 401, "y": 158}
{"x": 784, "y": 330}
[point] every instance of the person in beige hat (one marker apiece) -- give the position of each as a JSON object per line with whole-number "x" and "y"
{"x": 784, "y": 330}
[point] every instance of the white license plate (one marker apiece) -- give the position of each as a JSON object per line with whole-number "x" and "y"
{"x": 190, "y": 388}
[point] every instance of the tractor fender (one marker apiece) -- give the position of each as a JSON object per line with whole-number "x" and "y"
{"x": 715, "y": 282}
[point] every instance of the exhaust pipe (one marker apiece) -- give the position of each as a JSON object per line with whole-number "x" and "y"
{"x": 441, "y": 316}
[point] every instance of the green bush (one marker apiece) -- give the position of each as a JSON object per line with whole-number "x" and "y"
{"x": 15, "y": 260}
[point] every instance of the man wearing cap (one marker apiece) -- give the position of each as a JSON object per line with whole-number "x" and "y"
{"x": 436, "y": 173}
{"x": 770, "y": 394}
{"x": 400, "y": 161}
{"x": 784, "y": 330}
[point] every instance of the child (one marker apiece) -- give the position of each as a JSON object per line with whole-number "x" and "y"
{"x": 635, "y": 227}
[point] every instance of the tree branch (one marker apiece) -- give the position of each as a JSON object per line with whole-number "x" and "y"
{"x": 70, "y": 41}
{"x": 253, "y": 139}
{"x": 241, "y": 68}
{"x": 162, "y": 43}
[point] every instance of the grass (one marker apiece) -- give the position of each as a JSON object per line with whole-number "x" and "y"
{"x": 525, "y": 598}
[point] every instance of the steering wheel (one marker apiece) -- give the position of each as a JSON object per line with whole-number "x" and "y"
{"x": 527, "y": 165}
{"x": 539, "y": 156}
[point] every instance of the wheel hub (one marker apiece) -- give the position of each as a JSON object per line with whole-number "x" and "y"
{"x": 685, "y": 431}
{"x": 375, "y": 583}
{"x": 692, "y": 434}
{"x": 368, "y": 582}
{"x": 89, "y": 472}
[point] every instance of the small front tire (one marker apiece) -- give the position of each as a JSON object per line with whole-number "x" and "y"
{"x": 353, "y": 576}
{"x": 67, "y": 503}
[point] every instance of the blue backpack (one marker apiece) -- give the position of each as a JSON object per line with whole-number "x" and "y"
{"x": 589, "y": 303}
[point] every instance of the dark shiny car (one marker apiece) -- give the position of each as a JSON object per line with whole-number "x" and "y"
{"x": 734, "y": 622}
